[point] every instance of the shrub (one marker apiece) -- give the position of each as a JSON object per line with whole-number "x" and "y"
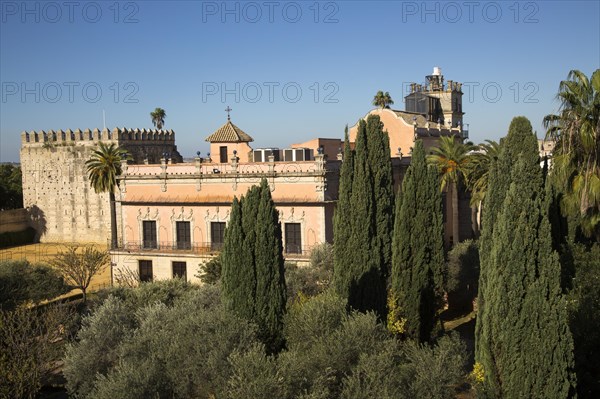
{"x": 29, "y": 340}
{"x": 463, "y": 275}
{"x": 21, "y": 281}
{"x": 254, "y": 375}
{"x": 210, "y": 271}
{"x": 312, "y": 280}
{"x": 97, "y": 348}
{"x": 437, "y": 370}
{"x": 308, "y": 322}
{"x": 584, "y": 319}
{"x": 325, "y": 343}
{"x": 383, "y": 375}
{"x": 177, "y": 346}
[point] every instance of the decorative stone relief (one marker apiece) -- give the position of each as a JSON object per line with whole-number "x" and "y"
{"x": 216, "y": 216}
{"x": 181, "y": 215}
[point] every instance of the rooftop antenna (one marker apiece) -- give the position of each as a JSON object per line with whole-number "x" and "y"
{"x": 104, "y": 119}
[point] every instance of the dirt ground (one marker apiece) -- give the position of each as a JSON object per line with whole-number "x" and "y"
{"x": 42, "y": 252}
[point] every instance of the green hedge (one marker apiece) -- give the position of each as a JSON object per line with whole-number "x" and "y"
{"x": 14, "y": 238}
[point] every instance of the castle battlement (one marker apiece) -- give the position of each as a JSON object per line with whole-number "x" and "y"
{"x": 121, "y": 135}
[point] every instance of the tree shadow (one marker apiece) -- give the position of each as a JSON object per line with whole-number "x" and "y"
{"x": 37, "y": 220}
{"x": 369, "y": 294}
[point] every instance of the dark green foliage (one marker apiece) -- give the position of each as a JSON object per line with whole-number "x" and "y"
{"x": 523, "y": 338}
{"x": 310, "y": 281}
{"x": 11, "y": 190}
{"x": 163, "y": 291}
{"x": 173, "y": 348}
{"x": 418, "y": 248}
{"x": 113, "y": 320}
{"x": 193, "y": 347}
{"x": 210, "y": 271}
{"x": 14, "y": 238}
{"x": 342, "y": 219}
{"x": 384, "y": 375}
{"x": 253, "y": 273}
{"x": 436, "y": 370}
{"x": 97, "y": 348}
{"x": 378, "y": 144}
{"x": 463, "y": 275}
{"x": 333, "y": 354}
{"x": 320, "y": 367}
{"x": 584, "y": 315}
{"x": 362, "y": 264}
{"x": 31, "y": 339}
{"x": 254, "y": 375}
{"x": 21, "y": 281}
{"x": 520, "y": 139}
{"x": 270, "y": 275}
{"x": 238, "y": 270}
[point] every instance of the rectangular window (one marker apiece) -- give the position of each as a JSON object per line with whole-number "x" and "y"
{"x": 293, "y": 238}
{"x": 145, "y": 270}
{"x": 217, "y": 235}
{"x": 223, "y": 154}
{"x": 149, "y": 234}
{"x": 184, "y": 239}
{"x": 179, "y": 270}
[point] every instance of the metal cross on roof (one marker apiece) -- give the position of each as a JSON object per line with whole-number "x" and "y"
{"x": 228, "y": 110}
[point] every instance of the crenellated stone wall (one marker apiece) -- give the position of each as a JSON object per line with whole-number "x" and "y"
{"x": 56, "y": 191}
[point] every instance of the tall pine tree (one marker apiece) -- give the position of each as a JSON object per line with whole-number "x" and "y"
{"x": 418, "y": 248}
{"x": 524, "y": 345}
{"x": 253, "y": 268}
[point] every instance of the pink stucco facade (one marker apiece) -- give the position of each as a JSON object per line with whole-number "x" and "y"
{"x": 200, "y": 195}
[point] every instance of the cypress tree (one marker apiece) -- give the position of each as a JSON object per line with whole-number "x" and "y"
{"x": 418, "y": 248}
{"x": 378, "y": 146}
{"x": 342, "y": 222}
{"x": 238, "y": 274}
{"x": 364, "y": 220}
{"x": 270, "y": 278}
{"x": 253, "y": 271}
{"x": 523, "y": 326}
{"x": 365, "y": 274}
{"x": 520, "y": 139}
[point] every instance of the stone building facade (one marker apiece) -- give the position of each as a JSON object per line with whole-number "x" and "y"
{"x": 61, "y": 204}
{"x": 171, "y": 215}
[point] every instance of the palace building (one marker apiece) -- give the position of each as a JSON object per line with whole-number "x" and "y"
{"x": 172, "y": 215}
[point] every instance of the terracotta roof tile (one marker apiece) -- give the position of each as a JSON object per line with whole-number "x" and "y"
{"x": 229, "y": 133}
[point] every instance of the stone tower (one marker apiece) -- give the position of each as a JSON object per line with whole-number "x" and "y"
{"x": 61, "y": 204}
{"x": 442, "y": 103}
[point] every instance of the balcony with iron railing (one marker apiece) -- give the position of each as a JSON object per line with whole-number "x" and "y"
{"x": 203, "y": 248}
{"x": 181, "y": 247}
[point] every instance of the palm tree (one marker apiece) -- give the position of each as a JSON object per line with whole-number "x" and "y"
{"x": 382, "y": 100}
{"x": 103, "y": 168}
{"x": 576, "y": 158}
{"x": 477, "y": 177}
{"x": 479, "y": 169}
{"x": 158, "y": 117}
{"x": 452, "y": 160}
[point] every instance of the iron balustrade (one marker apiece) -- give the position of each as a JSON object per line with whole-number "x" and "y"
{"x": 203, "y": 248}
{"x": 170, "y": 246}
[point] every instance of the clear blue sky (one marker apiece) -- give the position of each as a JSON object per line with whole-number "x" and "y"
{"x": 181, "y": 55}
